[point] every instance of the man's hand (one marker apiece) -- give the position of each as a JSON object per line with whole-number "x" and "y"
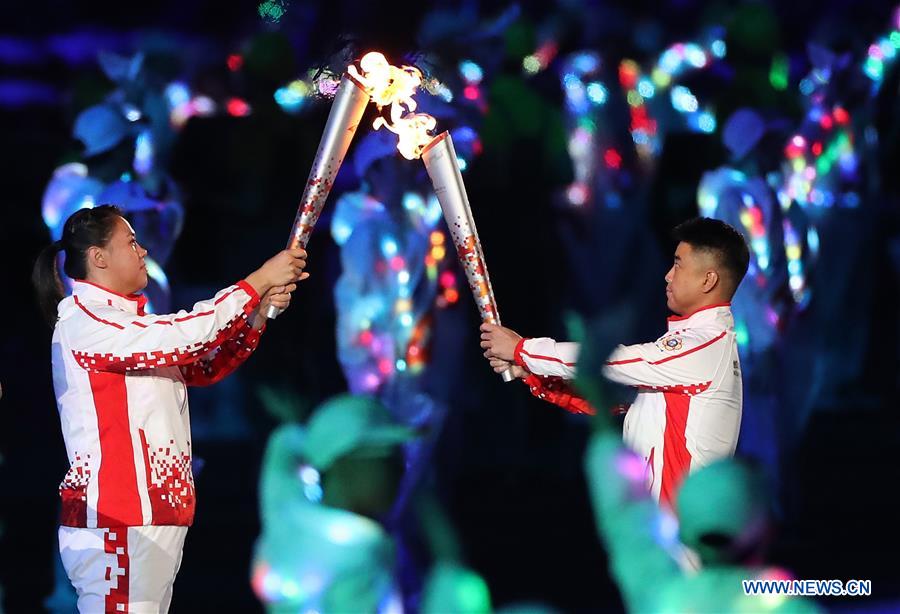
{"x": 499, "y": 366}
{"x": 500, "y": 342}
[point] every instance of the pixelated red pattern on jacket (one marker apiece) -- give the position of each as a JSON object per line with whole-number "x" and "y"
{"x": 170, "y": 484}
{"x": 223, "y": 360}
{"x": 558, "y": 391}
{"x": 115, "y": 541}
{"x": 73, "y": 492}
{"x": 158, "y": 358}
{"x": 690, "y": 389}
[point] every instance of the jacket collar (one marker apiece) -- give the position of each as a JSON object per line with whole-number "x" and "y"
{"x": 710, "y": 313}
{"x": 89, "y": 292}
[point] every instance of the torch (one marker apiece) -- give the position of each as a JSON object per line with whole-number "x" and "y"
{"x": 346, "y": 113}
{"x": 394, "y": 88}
{"x": 441, "y": 163}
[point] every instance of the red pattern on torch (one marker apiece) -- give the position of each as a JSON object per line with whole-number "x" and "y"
{"x": 346, "y": 113}
{"x": 443, "y": 169}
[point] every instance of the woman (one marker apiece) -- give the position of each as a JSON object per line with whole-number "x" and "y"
{"x": 120, "y": 378}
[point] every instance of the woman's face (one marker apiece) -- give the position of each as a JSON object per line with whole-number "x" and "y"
{"x": 124, "y": 258}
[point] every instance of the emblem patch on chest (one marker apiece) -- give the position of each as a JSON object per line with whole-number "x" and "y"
{"x": 670, "y": 343}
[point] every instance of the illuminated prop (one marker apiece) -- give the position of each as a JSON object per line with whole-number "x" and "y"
{"x": 748, "y": 204}
{"x": 672, "y": 64}
{"x": 390, "y": 283}
{"x": 145, "y": 120}
{"x": 882, "y": 53}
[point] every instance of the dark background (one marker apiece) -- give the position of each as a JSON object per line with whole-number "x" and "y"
{"x": 508, "y": 467}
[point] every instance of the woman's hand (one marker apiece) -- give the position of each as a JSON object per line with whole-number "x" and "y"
{"x": 277, "y": 296}
{"x": 499, "y": 366}
{"x": 285, "y": 267}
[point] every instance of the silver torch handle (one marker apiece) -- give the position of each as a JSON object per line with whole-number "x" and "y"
{"x": 441, "y": 163}
{"x": 346, "y": 112}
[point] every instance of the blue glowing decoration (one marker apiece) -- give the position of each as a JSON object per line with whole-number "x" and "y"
{"x": 597, "y": 93}
{"x": 144, "y": 153}
{"x": 69, "y": 190}
{"x": 294, "y": 96}
{"x": 882, "y": 54}
{"x": 820, "y": 169}
{"x": 749, "y": 205}
{"x": 134, "y": 115}
{"x": 390, "y": 283}
{"x": 177, "y": 93}
{"x": 585, "y": 94}
{"x": 652, "y": 113}
{"x": 683, "y": 100}
{"x": 471, "y": 72}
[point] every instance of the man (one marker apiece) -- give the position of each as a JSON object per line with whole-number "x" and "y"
{"x": 723, "y": 510}
{"x": 688, "y": 408}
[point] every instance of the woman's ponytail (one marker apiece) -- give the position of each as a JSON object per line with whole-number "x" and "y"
{"x": 84, "y": 228}
{"x": 47, "y": 283}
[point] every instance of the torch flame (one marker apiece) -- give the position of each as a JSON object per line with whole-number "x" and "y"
{"x": 393, "y": 87}
{"x": 387, "y": 85}
{"x": 414, "y": 132}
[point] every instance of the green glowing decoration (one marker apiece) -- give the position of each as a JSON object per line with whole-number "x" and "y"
{"x": 272, "y": 10}
{"x": 779, "y": 72}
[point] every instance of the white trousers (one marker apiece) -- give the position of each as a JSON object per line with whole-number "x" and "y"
{"x": 126, "y": 569}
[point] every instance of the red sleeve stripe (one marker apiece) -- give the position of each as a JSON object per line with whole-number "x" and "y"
{"x": 159, "y": 358}
{"x": 668, "y": 358}
{"x": 182, "y": 319}
{"x": 550, "y": 358}
{"x": 101, "y": 320}
{"x": 233, "y": 290}
{"x": 623, "y": 362}
{"x": 195, "y": 315}
{"x": 241, "y": 285}
{"x": 212, "y": 311}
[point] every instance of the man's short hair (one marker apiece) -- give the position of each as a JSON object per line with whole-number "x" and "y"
{"x": 725, "y": 243}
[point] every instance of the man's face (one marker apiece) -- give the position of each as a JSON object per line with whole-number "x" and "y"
{"x": 125, "y": 258}
{"x": 686, "y": 281}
